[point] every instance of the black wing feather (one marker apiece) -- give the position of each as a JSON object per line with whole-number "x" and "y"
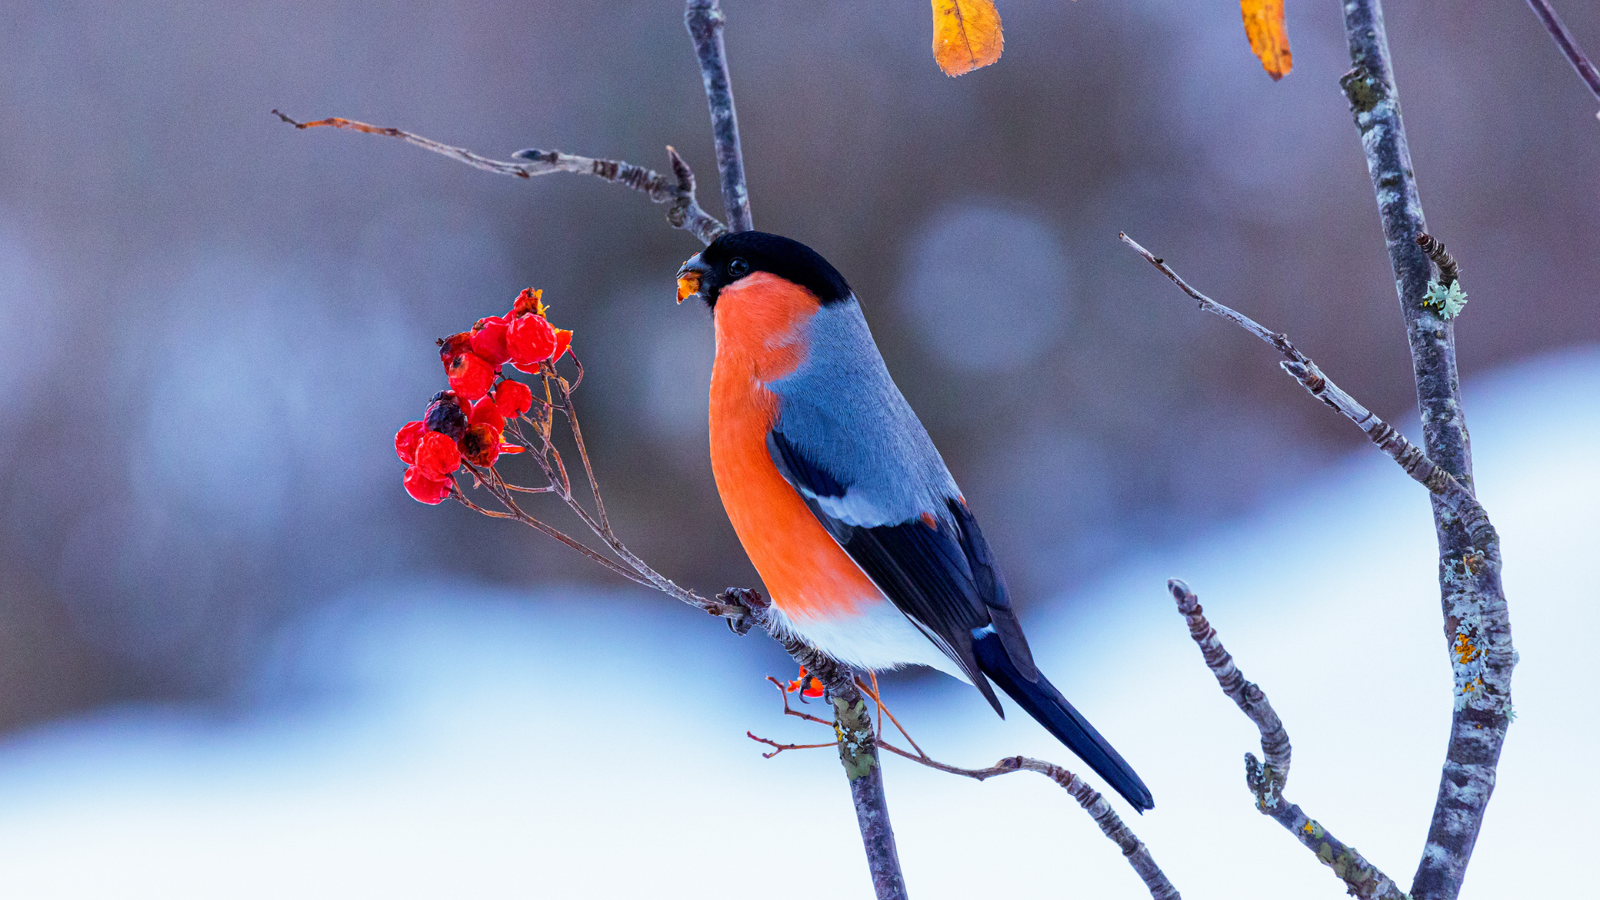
{"x": 943, "y": 578}
{"x": 940, "y": 576}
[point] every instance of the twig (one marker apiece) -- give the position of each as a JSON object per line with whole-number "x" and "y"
{"x": 1092, "y": 801}
{"x": 677, "y": 189}
{"x": 1450, "y": 492}
{"x": 1266, "y": 780}
{"x": 704, "y": 19}
{"x": 1477, "y": 623}
{"x": 1246, "y": 694}
{"x": 1569, "y": 47}
{"x": 779, "y": 748}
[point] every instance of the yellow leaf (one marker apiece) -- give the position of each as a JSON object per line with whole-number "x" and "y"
{"x": 966, "y": 35}
{"x": 1263, "y": 25}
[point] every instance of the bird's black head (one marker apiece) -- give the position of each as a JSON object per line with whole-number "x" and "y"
{"x": 739, "y": 254}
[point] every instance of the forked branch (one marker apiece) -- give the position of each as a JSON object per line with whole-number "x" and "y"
{"x": 1266, "y": 779}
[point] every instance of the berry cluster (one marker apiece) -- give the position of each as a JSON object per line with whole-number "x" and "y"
{"x": 468, "y": 421}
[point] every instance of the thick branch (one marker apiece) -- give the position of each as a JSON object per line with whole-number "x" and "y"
{"x": 677, "y": 189}
{"x": 1569, "y": 47}
{"x": 704, "y": 19}
{"x": 1266, "y": 780}
{"x": 1476, "y": 621}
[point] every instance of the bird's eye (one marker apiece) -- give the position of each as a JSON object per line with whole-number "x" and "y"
{"x": 737, "y": 267}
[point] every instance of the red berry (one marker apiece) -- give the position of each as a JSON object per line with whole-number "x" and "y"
{"x": 563, "y": 343}
{"x": 425, "y": 487}
{"x": 481, "y": 445}
{"x": 438, "y": 455}
{"x": 454, "y": 345}
{"x": 531, "y": 340}
{"x": 485, "y": 412}
{"x": 528, "y": 302}
{"x": 406, "y": 440}
{"x": 470, "y": 375}
{"x": 512, "y": 398}
{"x": 446, "y": 416}
{"x": 489, "y": 340}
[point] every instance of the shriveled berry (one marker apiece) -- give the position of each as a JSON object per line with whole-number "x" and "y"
{"x": 531, "y": 340}
{"x": 446, "y": 416}
{"x": 454, "y": 345}
{"x": 425, "y": 487}
{"x": 512, "y": 398}
{"x": 470, "y": 375}
{"x": 438, "y": 455}
{"x": 484, "y": 412}
{"x": 528, "y": 302}
{"x": 489, "y": 340}
{"x": 406, "y": 440}
{"x": 481, "y": 445}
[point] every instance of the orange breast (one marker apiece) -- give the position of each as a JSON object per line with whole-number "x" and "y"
{"x": 760, "y": 328}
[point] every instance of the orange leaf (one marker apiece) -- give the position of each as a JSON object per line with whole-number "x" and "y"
{"x": 966, "y": 35}
{"x": 1263, "y": 25}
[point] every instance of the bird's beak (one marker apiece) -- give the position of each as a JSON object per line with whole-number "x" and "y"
{"x": 689, "y": 278}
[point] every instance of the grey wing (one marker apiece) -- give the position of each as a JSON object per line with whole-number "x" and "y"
{"x": 849, "y": 443}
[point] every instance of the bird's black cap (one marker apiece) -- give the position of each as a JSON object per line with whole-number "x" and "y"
{"x": 737, "y": 254}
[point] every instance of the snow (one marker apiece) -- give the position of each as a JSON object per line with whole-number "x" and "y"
{"x": 448, "y": 739}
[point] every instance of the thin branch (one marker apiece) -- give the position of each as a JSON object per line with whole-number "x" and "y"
{"x": 1246, "y": 694}
{"x": 1092, "y": 801}
{"x": 779, "y": 748}
{"x": 1266, "y": 780}
{"x": 704, "y": 19}
{"x": 1569, "y": 47}
{"x": 1450, "y": 491}
{"x": 677, "y": 189}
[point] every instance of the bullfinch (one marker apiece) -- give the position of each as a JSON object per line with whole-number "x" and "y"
{"x": 865, "y": 544}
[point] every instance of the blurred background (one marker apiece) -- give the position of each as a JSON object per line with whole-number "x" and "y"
{"x": 214, "y": 323}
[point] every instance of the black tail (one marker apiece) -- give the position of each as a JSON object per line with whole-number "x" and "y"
{"x": 1045, "y": 703}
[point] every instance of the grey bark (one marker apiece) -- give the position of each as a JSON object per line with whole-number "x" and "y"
{"x": 1266, "y": 778}
{"x": 704, "y": 20}
{"x": 858, "y": 753}
{"x": 1477, "y": 624}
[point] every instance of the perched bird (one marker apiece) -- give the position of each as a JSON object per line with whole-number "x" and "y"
{"x": 863, "y": 540}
